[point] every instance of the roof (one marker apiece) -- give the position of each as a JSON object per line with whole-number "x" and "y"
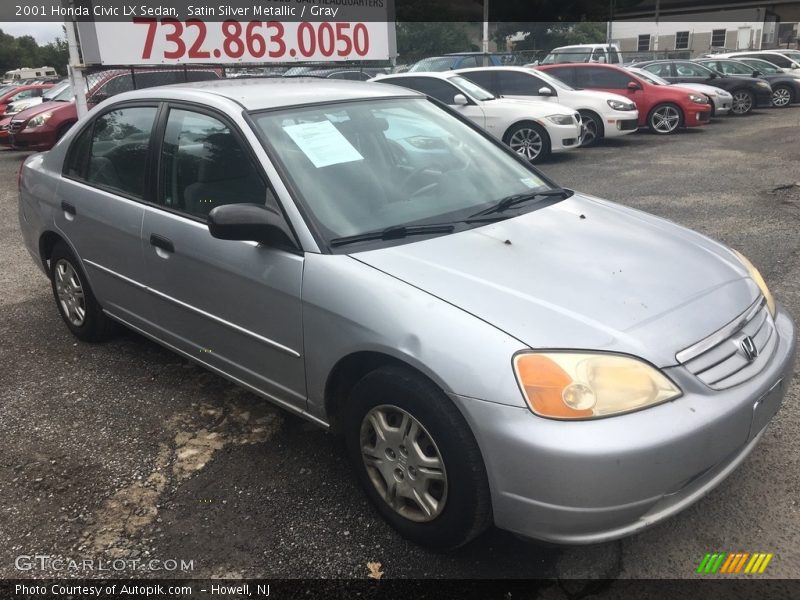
{"x": 410, "y": 74}
{"x": 260, "y": 94}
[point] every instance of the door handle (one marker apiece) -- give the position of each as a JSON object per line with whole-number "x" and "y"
{"x": 162, "y": 243}
{"x": 68, "y": 208}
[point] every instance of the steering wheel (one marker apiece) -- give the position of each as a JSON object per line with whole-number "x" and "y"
{"x": 405, "y": 185}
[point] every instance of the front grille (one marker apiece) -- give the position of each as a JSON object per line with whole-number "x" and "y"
{"x": 16, "y": 126}
{"x": 569, "y": 141}
{"x": 704, "y": 116}
{"x": 628, "y": 124}
{"x": 720, "y": 360}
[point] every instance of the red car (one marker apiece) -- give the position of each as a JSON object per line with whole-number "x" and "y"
{"x": 661, "y": 108}
{"x": 21, "y": 92}
{"x": 40, "y": 127}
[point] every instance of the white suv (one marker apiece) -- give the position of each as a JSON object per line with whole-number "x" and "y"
{"x": 603, "y": 114}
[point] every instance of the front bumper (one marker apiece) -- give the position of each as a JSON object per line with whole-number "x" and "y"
{"x": 722, "y": 105}
{"x": 592, "y": 481}
{"x": 695, "y": 115}
{"x": 35, "y": 139}
{"x": 563, "y": 137}
{"x": 621, "y": 123}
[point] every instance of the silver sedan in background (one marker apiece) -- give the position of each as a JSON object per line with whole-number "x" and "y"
{"x": 721, "y": 100}
{"x": 492, "y": 347}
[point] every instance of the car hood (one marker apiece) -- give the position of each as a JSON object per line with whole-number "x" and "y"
{"x": 39, "y": 109}
{"x": 535, "y": 108}
{"x": 582, "y": 274}
{"x": 702, "y": 87}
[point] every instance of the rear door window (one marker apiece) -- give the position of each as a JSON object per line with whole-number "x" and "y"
{"x": 119, "y": 149}
{"x": 433, "y": 87}
{"x": 514, "y": 83}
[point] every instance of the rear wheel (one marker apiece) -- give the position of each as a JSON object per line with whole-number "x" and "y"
{"x": 529, "y": 140}
{"x": 782, "y": 96}
{"x": 591, "y": 128}
{"x": 665, "y": 119}
{"x": 743, "y": 102}
{"x": 74, "y": 298}
{"x": 417, "y": 459}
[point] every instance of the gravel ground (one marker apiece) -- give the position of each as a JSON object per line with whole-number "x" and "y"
{"x": 126, "y": 450}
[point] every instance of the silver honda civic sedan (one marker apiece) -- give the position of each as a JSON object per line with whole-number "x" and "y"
{"x": 492, "y": 347}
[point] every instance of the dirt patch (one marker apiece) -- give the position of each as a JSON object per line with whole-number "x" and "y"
{"x": 113, "y": 531}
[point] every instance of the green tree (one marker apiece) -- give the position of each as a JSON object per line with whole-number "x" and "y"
{"x": 420, "y": 39}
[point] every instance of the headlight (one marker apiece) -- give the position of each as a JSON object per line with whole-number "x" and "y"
{"x": 620, "y": 105}
{"x": 38, "y": 120}
{"x": 698, "y": 99}
{"x": 582, "y": 385}
{"x": 561, "y": 119}
{"x": 762, "y": 285}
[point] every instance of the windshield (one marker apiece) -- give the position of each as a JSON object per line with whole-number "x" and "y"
{"x": 472, "y": 89}
{"x": 576, "y": 55}
{"x": 370, "y": 165}
{"x": 436, "y": 63}
{"x": 54, "y": 91}
{"x": 648, "y": 76}
{"x": 762, "y": 65}
{"x": 556, "y": 83}
{"x": 735, "y": 68}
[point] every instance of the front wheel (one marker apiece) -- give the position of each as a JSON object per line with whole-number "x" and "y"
{"x": 743, "y": 102}
{"x": 665, "y": 119}
{"x": 591, "y": 128}
{"x": 782, "y": 96}
{"x": 417, "y": 459}
{"x": 530, "y": 140}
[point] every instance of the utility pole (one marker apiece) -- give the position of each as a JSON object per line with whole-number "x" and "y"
{"x": 76, "y": 69}
{"x": 485, "y": 26}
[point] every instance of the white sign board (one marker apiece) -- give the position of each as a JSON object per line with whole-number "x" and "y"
{"x": 170, "y": 41}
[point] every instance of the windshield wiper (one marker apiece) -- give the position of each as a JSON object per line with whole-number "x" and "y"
{"x": 393, "y": 233}
{"x": 515, "y": 199}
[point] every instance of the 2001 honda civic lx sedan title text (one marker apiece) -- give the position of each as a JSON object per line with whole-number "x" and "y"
{"x": 494, "y": 349}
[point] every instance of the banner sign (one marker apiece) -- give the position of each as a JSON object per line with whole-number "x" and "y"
{"x": 150, "y": 41}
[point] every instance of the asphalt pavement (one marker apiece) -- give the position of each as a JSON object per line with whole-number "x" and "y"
{"x": 125, "y": 450}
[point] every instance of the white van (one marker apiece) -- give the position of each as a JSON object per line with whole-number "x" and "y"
{"x": 28, "y": 73}
{"x": 584, "y": 53}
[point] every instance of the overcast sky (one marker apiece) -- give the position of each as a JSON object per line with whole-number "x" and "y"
{"x": 42, "y": 32}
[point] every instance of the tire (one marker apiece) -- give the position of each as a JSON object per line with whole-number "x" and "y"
{"x": 743, "y": 102}
{"x": 782, "y": 96}
{"x": 74, "y": 298}
{"x": 591, "y": 128}
{"x": 665, "y": 119}
{"x": 529, "y": 140}
{"x": 456, "y": 506}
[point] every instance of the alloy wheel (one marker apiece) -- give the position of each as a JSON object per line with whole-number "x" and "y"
{"x": 742, "y": 103}
{"x": 403, "y": 463}
{"x": 781, "y": 97}
{"x": 665, "y": 119}
{"x": 527, "y": 142}
{"x": 588, "y": 132}
{"x": 70, "y": 293}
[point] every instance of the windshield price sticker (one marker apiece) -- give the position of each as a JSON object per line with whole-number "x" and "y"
{"x": 169, "y": 40}
{"x": 322, "y": 143}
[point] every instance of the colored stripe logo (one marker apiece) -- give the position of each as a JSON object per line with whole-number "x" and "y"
{"x": 734, "y": 562}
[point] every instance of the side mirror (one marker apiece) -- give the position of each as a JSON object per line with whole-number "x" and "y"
{"x": 460, "y": 100}
{"x": 633, "y": 86}
{"x": 545, "y": 91}
{"x": 251, "y": 223}
{"x": 756, "y": 73}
